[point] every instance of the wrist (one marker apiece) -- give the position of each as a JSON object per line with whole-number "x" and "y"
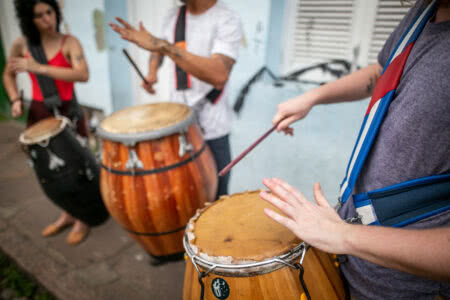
{"x": 346, "y": 234}
{"x": 16, "y": 99}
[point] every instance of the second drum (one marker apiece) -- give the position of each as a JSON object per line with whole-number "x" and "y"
{"x": 156, "y": 171}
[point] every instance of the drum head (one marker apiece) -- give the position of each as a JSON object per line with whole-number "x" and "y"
{"x": 236, "y": 226}
{"x": 43, "y": 130}
{"x": 145, "y": 122}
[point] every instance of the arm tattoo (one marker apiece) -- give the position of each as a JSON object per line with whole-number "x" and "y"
{"x": 172, "y": 49}
{"x": 371, "y": 85}
{"x": 79, "y": 57}
{"x": 228, "y": 62}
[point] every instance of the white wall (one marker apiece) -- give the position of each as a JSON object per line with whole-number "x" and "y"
{"x": 151, "y": 13}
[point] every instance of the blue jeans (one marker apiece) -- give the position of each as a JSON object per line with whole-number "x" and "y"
{"x": 220, "y": 149}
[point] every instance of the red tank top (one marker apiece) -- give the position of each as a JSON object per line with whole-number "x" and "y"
{"x": 65, "y": 88}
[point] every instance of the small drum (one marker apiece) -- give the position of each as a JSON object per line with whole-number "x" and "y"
{"x": 156, "y": 171}
{"x": 66, "y": 170}
{"x": 237, "y": 252}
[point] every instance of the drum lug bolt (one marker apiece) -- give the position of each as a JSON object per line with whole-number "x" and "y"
{"x": 184, "y": 145}
{"x": 133, "y": 160}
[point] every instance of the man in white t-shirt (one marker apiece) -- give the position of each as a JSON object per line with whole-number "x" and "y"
{"x": 202, "y": 40}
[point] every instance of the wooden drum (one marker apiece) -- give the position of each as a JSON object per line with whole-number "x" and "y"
{"x": 156, "y": 171}
{"x": 240, "y": 253}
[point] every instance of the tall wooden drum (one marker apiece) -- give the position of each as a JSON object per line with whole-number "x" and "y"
{"x": 240, "y": 253}
{"x": 156, "y": 171}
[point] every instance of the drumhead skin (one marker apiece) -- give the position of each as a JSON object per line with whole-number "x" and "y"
{"x": 43, "y": 130}
{"x": 146, "y": 122}
{"x": 235, "y": 230}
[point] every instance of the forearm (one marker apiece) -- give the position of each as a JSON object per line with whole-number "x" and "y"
{"x": 9, "y": 81}
{"x": 355, "y": 86}
{"x": 65, "y": 74}
{"x": 204, "y": 68}
{"x": 155, "y": 61}
{"x": 424, "y": 253}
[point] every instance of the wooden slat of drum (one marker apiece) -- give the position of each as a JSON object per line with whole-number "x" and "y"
{"x": 206, "y": 165}
{"x": 181, "y": 181}
{"x": 111, "y": 185}
{"x": 210, "y": 167}
{"x": 316, "y": 278}
{"x": 167, "y": 220}
{"x": 154, "y": 194}
{"x": 332, "y": 272}
{"x": 197, "y": 172}
{"x": 174, "y": 202}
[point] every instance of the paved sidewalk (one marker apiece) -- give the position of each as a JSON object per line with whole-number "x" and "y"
{"x": 108, "y": 265}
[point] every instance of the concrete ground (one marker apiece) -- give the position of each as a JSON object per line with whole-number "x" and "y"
{"x": 108, "y": 265}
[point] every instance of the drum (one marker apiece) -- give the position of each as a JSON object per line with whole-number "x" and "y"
{"x": 67, "y": 171}
{"x": 156, "y": 171}
{"x": 234, "y": 251}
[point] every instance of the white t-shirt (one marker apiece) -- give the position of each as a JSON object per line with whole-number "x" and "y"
{"x": 217, "y": 30}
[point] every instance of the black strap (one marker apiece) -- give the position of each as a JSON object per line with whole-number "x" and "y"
{"x": 182, "y": 78}
{"x": 47, "y": 84}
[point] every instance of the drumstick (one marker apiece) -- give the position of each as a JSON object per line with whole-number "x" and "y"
{"x": 246, "y": 151}
{"x": 134, "y": 65}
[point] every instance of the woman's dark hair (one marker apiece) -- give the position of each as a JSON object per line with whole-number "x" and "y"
{"x": 25, "y": 14}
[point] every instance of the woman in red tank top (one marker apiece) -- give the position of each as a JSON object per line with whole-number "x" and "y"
{"x": 39, "y": 21}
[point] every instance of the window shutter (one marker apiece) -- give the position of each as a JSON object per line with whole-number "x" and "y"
{"x": 388, "y": 16}
{"x": 323, "y": 30}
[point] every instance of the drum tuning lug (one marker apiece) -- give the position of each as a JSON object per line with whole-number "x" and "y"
{"x": 133, "y": 160}
{"x": 184, "y": 145}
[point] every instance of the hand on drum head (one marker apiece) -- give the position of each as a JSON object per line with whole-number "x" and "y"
{"x": 317, "y": 224}
{"x": 141, "y": 37}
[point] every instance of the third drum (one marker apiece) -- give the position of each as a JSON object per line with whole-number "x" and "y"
{"x": 234, "y": 251}
{"x": 156, "y": 171}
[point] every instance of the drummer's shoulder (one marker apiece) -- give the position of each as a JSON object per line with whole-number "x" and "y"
{"x": 18, "y": 46}
{"x": 72, "y": 41}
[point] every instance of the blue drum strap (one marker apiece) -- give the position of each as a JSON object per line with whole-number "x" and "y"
{"x": 404, "y": 203}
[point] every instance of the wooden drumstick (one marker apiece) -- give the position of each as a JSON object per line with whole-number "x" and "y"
{"x": 246, "y": 151}
{"x": 134, "y": 65}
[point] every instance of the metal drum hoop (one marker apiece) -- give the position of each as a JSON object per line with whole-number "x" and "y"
{"x": 130, "y": 139}
{"x": 251, "y": 268}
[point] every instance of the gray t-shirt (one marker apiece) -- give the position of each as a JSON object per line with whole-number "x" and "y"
{"x": 413, "y": 142}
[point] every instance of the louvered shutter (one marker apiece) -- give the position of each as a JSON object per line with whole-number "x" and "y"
{"x": 388, "y": 16}
{"x": 323, "y": 30}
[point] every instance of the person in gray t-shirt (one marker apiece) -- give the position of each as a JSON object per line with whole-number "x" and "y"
{"x": 413, "y": 141}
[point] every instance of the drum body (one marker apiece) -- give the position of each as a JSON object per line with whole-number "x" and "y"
{"x": 252, "y": 257}
{"x": 67, "y": 171}
{"x": 156, "y": 171}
